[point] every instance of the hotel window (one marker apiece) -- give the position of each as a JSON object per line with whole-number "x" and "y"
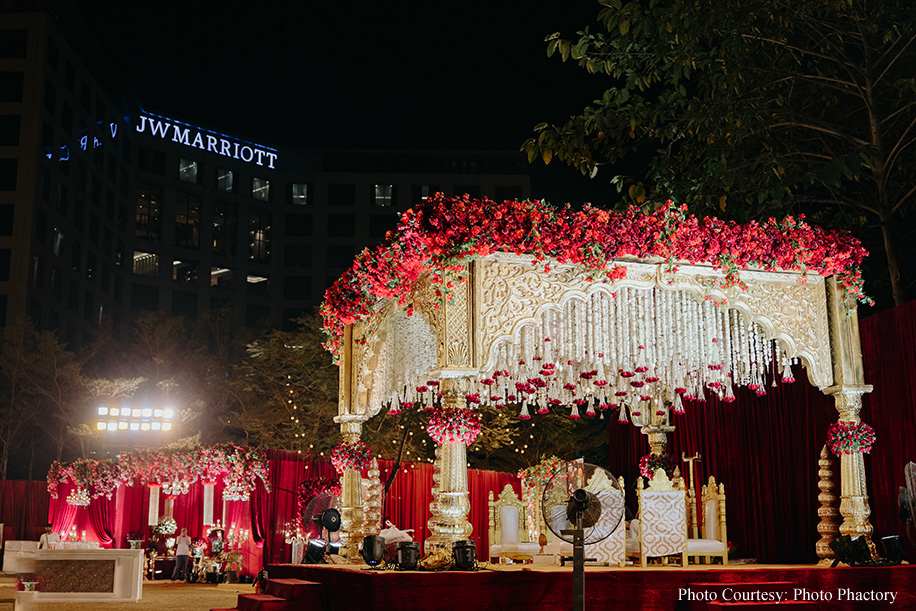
{"x": 11, "y": 86}
{"x": 9, "y": 130}
{"x": 148, "y": 212}
{"x": 300, "y": 194}
{"x": 472, "y": 191}
{"x": 13, "y": 44}
{"x": 341, "y": 194}
{"x": 260, "y": 189}
{"x": 221, "y": 277}
{"x": 382, "y": 195}
{"x": 184, "y": 271}
{"x": 224, "y": 227}
{"x": 146, "y": 264}
{"x": 225, "y": 180}
{"x": 341, "y": 225}
{"x": 152, "y": 161}
{"x": 187, "y": 170}
{"x": 258, "y": 285}
{"x": 58, "y": 243}
{"x": 259, "y": 236}
{"x": 187, "y": 220}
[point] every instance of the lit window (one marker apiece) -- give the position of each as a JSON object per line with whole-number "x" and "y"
{"x": 260, "y": 189}
{"x": 156, "y": 426}
{"x": 146, "y": 264}
{"x": 122, "y": 426}
{"x": 135, "y": 426}
{"x": 103, "y": 411}
{"x": 166, "y": 426}
{"x": 112, "y": 426}
{"x": 225, "y": 180}
{"x": 187, "y": 220}
{"x": 147, "y": 412}
{"x": 259, "y": 236}
{"x": 114, "y": 412}
{"x": 300, "y": 194}
{"x": 187, "y": 170}
{"x": 100, "y": 426}
{"x": 144, "y": 426}
{"x": 383, "y": 195}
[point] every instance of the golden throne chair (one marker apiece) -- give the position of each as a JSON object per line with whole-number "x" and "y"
{"x": 509, "y": 527}
{"x": 713, "y": 541}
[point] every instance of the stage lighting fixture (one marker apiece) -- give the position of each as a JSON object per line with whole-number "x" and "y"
{"x": 166, "y": 426}
{"x": 122, "y": 425}
{"x": 114, "y": 411}
{"x": 157, "y": 413}
{"x": 103, "y": 411}
{"x": 861, "y": 550}
{"x": 407, "y": 555}
{"x": 112, "y": 426}
{"x": 135, "y": 412}
{"x": 156, "y": 426}
{"x": 100, "y": 426}
{"x": 135, "y": 426}
{"x": 893, "y": 548}
{"x": 841, "y": 551}
{"x": 314, "y": 553}
{"x": 144, "y": 426}
{"x": 373, "y": 551}
{"x": 464, "y": 555}
{"x": 147, "y": 412}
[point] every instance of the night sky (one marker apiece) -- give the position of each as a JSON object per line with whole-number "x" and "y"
{"x": 421, "y": 75}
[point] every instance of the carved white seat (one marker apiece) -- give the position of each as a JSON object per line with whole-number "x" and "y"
{"x": 509, "y": 527}
{"x": 714, "y": 539}
{"x": 612, "y": 549}
{"x": 556, "y": 506}
{"x": 662, "y": 520}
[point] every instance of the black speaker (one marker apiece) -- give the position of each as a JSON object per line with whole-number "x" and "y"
{"x": 893, "y": 548}
{"x": 408, "y": 555}
{"x": 464, "y": 555}
{"x": 373, "y": 550}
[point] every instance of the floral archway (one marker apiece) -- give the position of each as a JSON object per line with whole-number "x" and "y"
{"x": 475, "y": 304}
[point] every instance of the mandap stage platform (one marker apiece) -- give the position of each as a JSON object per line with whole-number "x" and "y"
{"x": 540, "y": 588}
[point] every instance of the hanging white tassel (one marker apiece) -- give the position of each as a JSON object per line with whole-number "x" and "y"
{"x": 574, "y": 415}
{"x": 591, "y": 410}
{"x": 622, "y": 414}
{"x": 787, "y": 376}
{"x": 524, "y": 415}
{"x": 678, "y": 407}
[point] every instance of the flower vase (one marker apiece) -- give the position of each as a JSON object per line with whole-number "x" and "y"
{"x": 29, "y": 586}
{"x": 135, "y": 543}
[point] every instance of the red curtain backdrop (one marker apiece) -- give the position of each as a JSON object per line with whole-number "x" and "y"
{"x": 764, "y": 449}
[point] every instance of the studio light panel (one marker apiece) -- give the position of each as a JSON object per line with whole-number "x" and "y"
{"x": 134, "y": 418}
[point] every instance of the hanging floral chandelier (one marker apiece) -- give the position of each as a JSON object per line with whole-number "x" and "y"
{"x": 78, "y": 498}
{"x": 639, "y": 351}
{"x": 176, "y": 487}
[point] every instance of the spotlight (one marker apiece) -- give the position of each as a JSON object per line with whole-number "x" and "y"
{"x": 893, "y": 548}
{"x": 407, "y": 555}
{"x": 100, "y": 426}
{"x": 464, "y": 555}
{"x": 314, "y": 553}
{"x": 114, "y": 411}
{"x": 103, "y": 411}
{"x": 373, "y": 551}
{"x": 861, "y": 550}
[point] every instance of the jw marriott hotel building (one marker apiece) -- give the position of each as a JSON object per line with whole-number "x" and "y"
{"x": 107, "y": 207}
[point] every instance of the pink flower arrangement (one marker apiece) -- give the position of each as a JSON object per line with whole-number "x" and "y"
{"x": 347, "y": 455}
{"x": 442, "y": 233}
{"x": 850, "y": 437}
{"x": 650, "y": 462}
{"x": 244, "y": 466}
{"x": 451, "y": 425}
{"x": 541, "y": 473}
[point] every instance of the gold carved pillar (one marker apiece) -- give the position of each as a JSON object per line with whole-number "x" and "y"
{"x": 450, "y": 520}
{"x": 455, "y": 363}
{"x": 656, "y": 430}
{"x": 847, "y": 390}
{"x": 351, "y": 421}
{"x": 827, "y": 512}
{"x": 373, "y": 505}
{"x": 351, "y": 494}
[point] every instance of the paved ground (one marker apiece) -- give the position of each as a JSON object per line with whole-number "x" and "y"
{"x": 157, "y": 596}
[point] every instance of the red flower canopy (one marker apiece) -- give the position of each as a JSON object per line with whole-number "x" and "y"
{"x": 438, "y": 235}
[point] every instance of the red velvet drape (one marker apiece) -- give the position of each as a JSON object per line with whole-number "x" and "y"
{"x": 765, "y": 449}
{"x": 23, "y": 509}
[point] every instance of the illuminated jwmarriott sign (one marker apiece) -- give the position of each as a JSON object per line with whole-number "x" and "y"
{"x": 205, "y": 140}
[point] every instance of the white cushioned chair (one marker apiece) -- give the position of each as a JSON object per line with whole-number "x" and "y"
{"x": 713, "y": 541}
{"x": 662, "y": 521}
{"x": 509, "y": 527}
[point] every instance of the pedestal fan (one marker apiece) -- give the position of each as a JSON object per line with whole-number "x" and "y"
{"x": 322, "y": 512}
{"x": 592, "y": 512}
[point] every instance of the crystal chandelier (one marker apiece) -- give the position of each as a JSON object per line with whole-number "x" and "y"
{"x": 79, "y": 497}
{"x": 176, "y": 487}
{"x": 235, "y": 492}
{"x": 293, "y": 532}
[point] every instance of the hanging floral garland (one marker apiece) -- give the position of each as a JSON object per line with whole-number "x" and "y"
{"x": 650, "y": 462}
{"x": 440, "y": 233}
{"x": 453, "y": 425}
{"x": 850, "y": 438}
{"x": 538, "y": 475}
{"x": 176, "y": 467}
{"x": 347, "y": 455}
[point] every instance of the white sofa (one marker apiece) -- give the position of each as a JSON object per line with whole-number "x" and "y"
{"x": 19, "y": 556}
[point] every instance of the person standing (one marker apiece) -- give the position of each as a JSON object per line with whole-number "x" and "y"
{"x": 182, "y": 554}
{"x": 49, "y": 538}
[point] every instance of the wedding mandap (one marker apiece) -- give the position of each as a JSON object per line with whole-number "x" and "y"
{"x": 475, "y": 305}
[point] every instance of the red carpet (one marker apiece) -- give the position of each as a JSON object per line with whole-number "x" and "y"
{"x": 846, "y": 589}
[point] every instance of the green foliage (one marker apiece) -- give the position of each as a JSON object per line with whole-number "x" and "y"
{"x": 753, "y": 107}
